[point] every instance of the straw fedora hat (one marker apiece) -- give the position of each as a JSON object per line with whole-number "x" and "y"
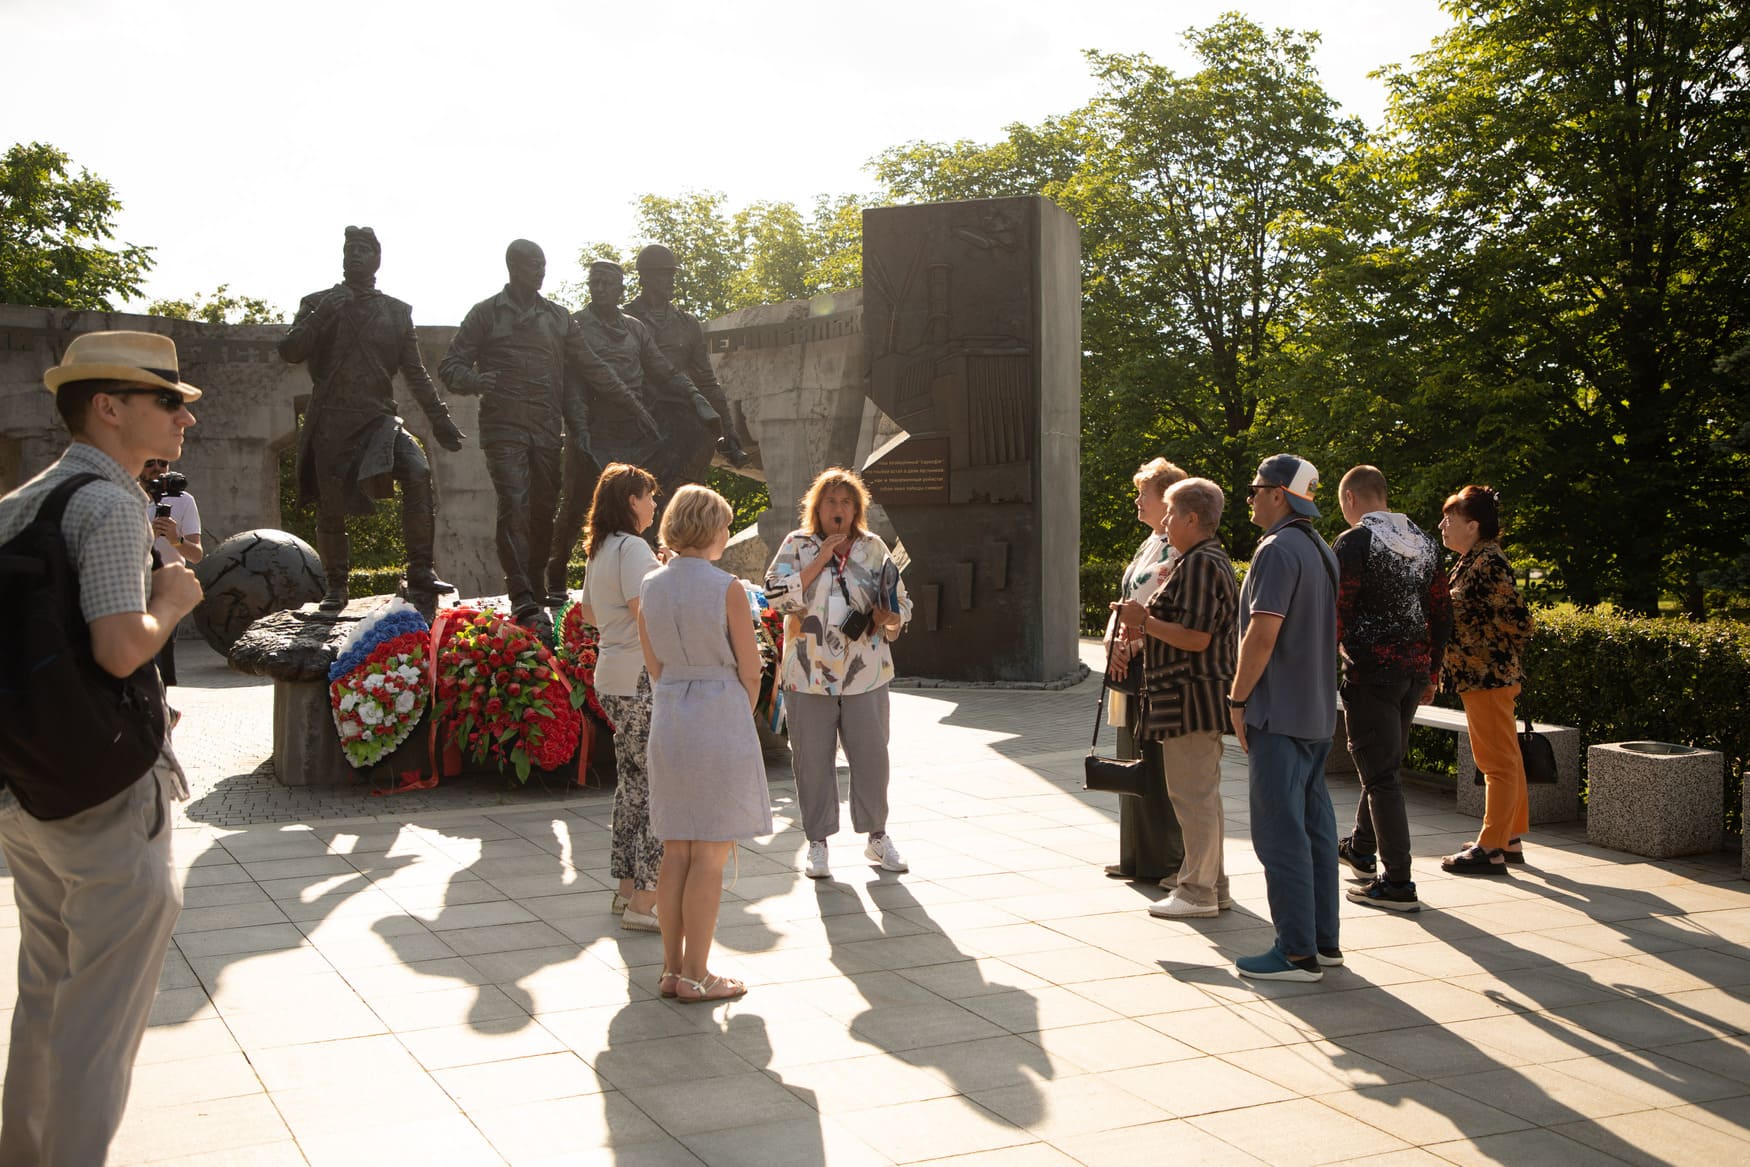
{"x": 144, "y": 358}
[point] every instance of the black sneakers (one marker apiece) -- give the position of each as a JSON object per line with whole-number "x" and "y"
{"x": 1361, "y": 863}
{"x": 1382, "y": 893}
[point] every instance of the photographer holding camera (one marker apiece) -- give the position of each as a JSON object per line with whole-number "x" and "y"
{"x": 843, "y": 602}
{"x": 176, "y": 525}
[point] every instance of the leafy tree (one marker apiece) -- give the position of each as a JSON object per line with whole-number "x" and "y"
{"x": 766, "y": 252}
{"x": 1557, "y": 275}
{"x": 220, "y": 307}
{"x": 54, "y": 227}
{"x": 1200, "y": 199}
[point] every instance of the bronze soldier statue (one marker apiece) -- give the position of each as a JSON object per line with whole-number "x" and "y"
{"x": 352, "y": 447}
{"x": 630, "y": 349}
{"x": 682, "y": 340}
{"x": 535, "y": 375}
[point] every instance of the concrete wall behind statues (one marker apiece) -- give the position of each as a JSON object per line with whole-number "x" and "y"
{"x": 793, "y": 373}
{"x": 247, "y": 416}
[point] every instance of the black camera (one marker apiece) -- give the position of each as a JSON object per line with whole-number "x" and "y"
{"x": 167, "y": 485}
{"x": 856, "y": 625}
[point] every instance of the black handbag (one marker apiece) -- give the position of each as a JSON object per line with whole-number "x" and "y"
{"x": 1114, "y": 775}
{"x": 1536, "y": 754}
{"x": 1539, "y": 757}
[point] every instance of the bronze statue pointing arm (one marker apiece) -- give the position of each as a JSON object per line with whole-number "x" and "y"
{"x": 593, "y": 372}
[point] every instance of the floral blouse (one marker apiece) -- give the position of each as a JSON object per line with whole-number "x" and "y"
{"x": 1490, "y": 622}
{"x": 818, "y": 658}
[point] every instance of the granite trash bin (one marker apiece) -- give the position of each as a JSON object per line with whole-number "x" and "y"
{"x": 1654, "y": 798}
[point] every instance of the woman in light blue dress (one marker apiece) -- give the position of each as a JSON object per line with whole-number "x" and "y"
{"x": 707, "y": 777}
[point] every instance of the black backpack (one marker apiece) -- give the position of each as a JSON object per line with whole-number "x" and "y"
{"x": 71, "y": 735}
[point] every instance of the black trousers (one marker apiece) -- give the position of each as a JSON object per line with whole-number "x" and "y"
{"x": 525, "y": 472}
{"x": 1378, "y": 712}
{"x": 1150, "y": 843}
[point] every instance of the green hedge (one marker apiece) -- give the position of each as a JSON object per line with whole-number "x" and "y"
{"x": 1621, "y": 678}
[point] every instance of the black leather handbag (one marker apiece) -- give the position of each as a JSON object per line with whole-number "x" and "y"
{"x": 1114, "y": 775}
{"x": 1537, "y": 755}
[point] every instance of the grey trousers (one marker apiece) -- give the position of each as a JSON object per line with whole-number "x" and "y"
{"x": 97, "y": 900}
{"x": 818, "y": 724}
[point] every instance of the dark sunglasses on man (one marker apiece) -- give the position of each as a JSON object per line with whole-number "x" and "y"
{"x": 168, "y": 399}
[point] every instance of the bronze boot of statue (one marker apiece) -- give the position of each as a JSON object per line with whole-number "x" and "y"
{"x": 419, "y": 531}
{"x": 336, "y": 555}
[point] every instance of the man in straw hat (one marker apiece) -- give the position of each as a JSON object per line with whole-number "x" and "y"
{"x": 96, "y": 892}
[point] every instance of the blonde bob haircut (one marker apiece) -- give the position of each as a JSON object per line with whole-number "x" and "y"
{"x": 834, "y": 478}
{"x": 1156, "y": 476}
{"x": 694, "y": 518}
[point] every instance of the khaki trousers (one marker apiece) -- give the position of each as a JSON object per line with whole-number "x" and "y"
{"x": 97, "y": 900}
{"x": 1192, "y": 764}
{"x": 1494, "y": 742}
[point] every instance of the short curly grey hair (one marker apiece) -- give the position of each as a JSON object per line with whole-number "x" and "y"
{"x": 1200, "y": 497}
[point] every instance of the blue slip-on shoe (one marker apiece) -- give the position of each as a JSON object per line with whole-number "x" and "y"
{"x": 1274, "y": 966}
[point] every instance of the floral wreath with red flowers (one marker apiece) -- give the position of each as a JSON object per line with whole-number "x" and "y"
{"x": 379, "y": 685}
{"x": 579, "y": 646}
{"x": 501, "y": 696}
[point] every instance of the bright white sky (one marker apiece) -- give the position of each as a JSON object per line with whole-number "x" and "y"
{"x": 242, "y": 135}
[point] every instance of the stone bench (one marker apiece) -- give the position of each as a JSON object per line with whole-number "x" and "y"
{"x": 1557, "y": 803}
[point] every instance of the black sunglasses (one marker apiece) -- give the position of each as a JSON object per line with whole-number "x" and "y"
{"x": 168, "y": 399}
{"x": 1257, "y": 486}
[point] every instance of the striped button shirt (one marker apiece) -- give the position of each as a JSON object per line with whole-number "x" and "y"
{"x": 1183, "y": 691}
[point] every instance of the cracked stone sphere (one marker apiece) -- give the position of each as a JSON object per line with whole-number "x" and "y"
{"x": 250, "y": 575}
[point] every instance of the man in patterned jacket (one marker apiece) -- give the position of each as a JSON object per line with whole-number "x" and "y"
{"x": 1393, "y": 619}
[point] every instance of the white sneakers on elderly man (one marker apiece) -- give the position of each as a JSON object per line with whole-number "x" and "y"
{"x": 1177, "y": 907}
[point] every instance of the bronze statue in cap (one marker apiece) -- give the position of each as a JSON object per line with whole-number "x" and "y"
{"x": 681, "y": 337}
{"x": 352, "y": 448}
{"x": 629, "y": 347}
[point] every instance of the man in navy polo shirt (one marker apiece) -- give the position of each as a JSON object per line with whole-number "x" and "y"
{"x": 1283, "y": 705}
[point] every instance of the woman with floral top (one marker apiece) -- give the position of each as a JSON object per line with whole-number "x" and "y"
{"x": 1490, "y": 626}
{"x": 843, "y": 603}
{"x": 1151, "y": 845}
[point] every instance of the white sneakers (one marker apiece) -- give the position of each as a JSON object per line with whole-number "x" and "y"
{"x": 1176, "y": 907}
{"x": 881, "y": 850}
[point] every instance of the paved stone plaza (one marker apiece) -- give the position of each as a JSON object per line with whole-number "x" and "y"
{"x": 436, "y": 978}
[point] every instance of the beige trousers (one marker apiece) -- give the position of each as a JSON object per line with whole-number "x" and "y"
{"x": 97, "y": 900}
{"x": 1192, "y": 764}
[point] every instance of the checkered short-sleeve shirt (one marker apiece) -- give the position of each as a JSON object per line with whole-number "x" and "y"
{"x": 107, "y": 526}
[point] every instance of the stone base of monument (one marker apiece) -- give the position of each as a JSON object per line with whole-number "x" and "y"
{"x": 1654, "y": 798}
{"x": 306, "y": 749}
{"x": 1550, "y": 803}
{"x": 294, "y": 649}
